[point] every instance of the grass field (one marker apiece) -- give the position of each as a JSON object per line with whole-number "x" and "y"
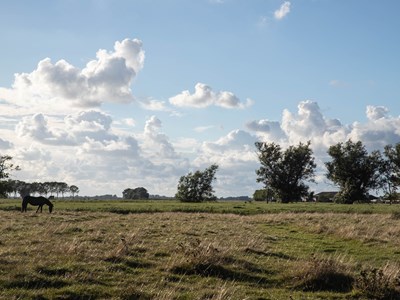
{"x": 227, "y": 250}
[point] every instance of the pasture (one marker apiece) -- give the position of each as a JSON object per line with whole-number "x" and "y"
{"x": 222, "y": 250}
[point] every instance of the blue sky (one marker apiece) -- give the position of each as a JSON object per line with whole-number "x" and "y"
{"x": 183, "y": 84}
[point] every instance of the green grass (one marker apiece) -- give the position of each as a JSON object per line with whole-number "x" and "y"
{"x": 227, "y": 250}
{"x": 234, "y": 207}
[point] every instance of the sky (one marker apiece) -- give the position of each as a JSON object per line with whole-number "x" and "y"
{"x": 109, "y": 95}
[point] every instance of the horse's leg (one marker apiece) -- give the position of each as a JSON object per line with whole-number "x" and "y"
{"x": 38, "y": 209}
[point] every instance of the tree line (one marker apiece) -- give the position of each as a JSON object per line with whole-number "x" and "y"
{"x": 10, "y": 187}
{"x": 284, "y": 173}
{"x": 352, "y": 169}
{"x": 52, "y": 188}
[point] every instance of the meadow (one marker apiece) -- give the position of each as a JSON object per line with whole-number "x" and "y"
{"x": 221, "y": 250}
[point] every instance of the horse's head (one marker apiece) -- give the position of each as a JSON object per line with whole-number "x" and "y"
{"x": 50, "y": 207}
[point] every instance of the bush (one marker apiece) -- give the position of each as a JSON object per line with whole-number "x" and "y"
{"x": 376, "y": 284}
{"x": 197, "y": 186}
{"x": 325, "y": 275}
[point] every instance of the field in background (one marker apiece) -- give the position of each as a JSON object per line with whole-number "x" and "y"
{"x": 228, "y": 250}
{"x": 234, "y": 207}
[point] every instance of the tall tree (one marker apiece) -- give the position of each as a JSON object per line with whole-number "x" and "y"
{"x": 390, "y": 171}
{"x": 197, "y": 186}
{"x": 5, "y": 168}
{"x": 353, "y": 170}
{"x": 285, "y": 172}
{"x": 73, "y": 190}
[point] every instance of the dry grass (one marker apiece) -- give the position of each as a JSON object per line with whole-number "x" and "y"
{"x": 96, "y": 255}
{"x": 324, "y": 274}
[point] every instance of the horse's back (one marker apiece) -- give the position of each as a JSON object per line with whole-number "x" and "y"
{"x": 35, "y": 200}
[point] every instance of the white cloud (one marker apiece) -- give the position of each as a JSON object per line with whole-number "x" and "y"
{"x": 237, "y": 147}
{"x": 72, "y": 130}
{"x": 86, "y": 149}
{"x": 235, "y": 154}
{"x": 375, "y": 113}
{"x": 283, "y": 10}
{"x": 60, "y": 86}
{"x": 36, "y": 128}
{"x": 153, "y": 104}
{"x": 204, "y": 96}
{"x": 156, "y": 141}
{"x": 33, "y": 153}
{"x": 268, "y": 130}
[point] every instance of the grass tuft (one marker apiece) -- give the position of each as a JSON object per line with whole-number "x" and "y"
{"x": 396, "y": 215}
{"x": 378, "y": 284}
{"x": 53, "y": 271}
{"x": 34, "y": 282}
{"x": 325, "y": 274}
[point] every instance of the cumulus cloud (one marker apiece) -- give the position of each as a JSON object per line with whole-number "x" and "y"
{"x": 309, "y": 124}
{"x": 235, "y": 154}
{"x": 376, "y": 112}
{"x": 204, "y": 96}
{"x": 33, "y": 153}
{"x": 269, "y": 130}
{"x": 56, "y": 86}
{"x": 237, "y": 147}
{"x": 380, "y": 130}
{"x": 89, "y": 125}
{"x": 35, "y": 127}
{"x": 283, "y": 10}
{"x": 72, "y": 130}
{"x": 86, "y": 149}
{"x": 308, "y": 121}
{"x": 156, "y": 141}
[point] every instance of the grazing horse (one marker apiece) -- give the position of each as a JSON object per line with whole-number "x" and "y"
{"x": 36, "y": 201}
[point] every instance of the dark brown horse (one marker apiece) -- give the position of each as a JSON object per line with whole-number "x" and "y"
{"x": 36, "y": 201}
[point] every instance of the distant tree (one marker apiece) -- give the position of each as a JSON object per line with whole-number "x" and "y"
{"x": 354, "y": 171}
{"x": 5, "y": 168}
{"x": 73, "y": 190}
{"x": 53, "y": 187}
{"x": 63, "y": 188}
{"x": 264, "y": 195}
{"x": 35, "y": 188}
{"x": 285, "y": 172}
{"x": 135, "y": 194}
{"x": 390, "y": 171}
{"x": 197, "y": 186}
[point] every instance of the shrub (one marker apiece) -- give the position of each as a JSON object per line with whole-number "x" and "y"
{"x": 376, "y": 284}
{"x": 325, "y": 275}
{"x": 201, "y": 258}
